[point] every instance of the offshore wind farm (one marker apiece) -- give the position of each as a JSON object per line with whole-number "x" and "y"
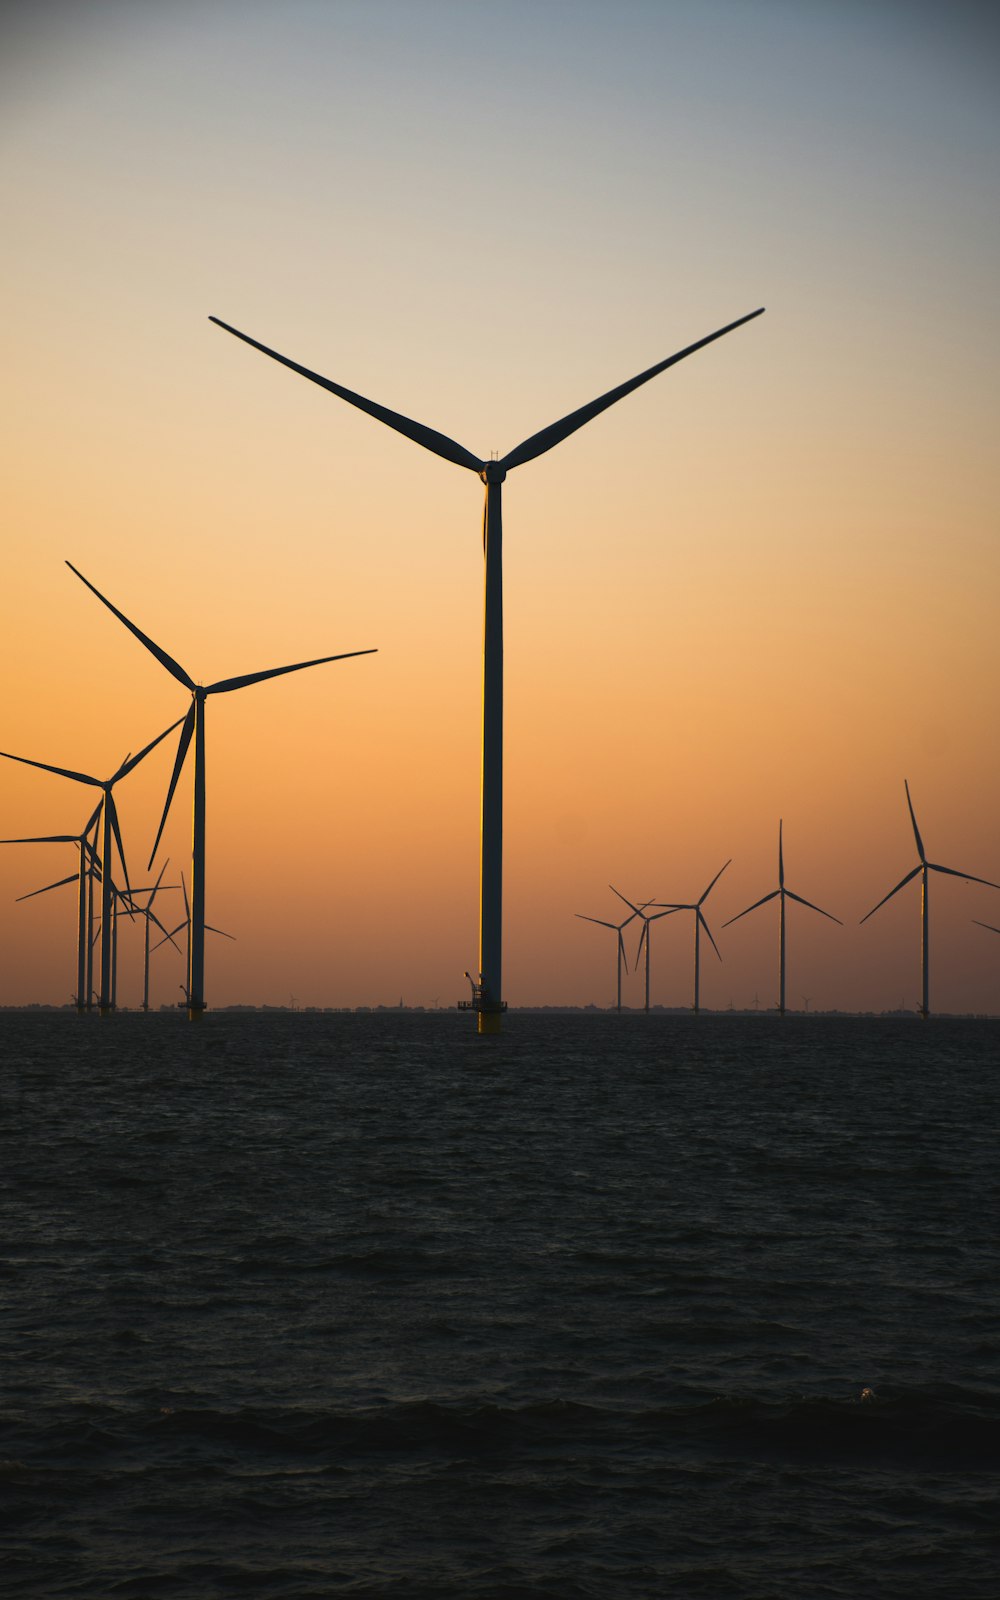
{"x": 406, "y": 1191}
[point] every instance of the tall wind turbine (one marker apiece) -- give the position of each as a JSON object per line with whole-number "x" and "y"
{"x": 488, "y": 1002}
{"x": 618, "y": 928}
{"x": 112, "y": 836}
{"x": 924, "y": 868}
{"x": 194, "y": 724}
{"x": 84, "y": 899}
{"x": 644, "y": 937}
{"x": 782, "y": 895}
{"x": 699, "y": 923}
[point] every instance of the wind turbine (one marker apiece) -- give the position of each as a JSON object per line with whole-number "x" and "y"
{"x": 699, "y": 923}
{"x": 194, "y": 723}
{"x": 924, "y": 868}
{"x": 84, "y": 900}
{"x": 112, "y": 836}
{"x": 187, "y": 924}
{"x": 782, "y": 894}
{"x": 618, "y": 928}
{"x": 644, "y": 937}
{"x": 149, "y": 915}
{"x": 488, "y": 1002}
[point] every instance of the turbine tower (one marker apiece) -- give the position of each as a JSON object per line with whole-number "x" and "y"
{"x": 618, "y": 927}
{"x": 644, "y": 937}
{"x": 112, "y": 835}
{"x": 488, "y": 1003}
{"x": 782, "y": 895}
{"x": 194, "y": 724}
{"x": 924, "y": 868}
{"x": 699, "y": 923}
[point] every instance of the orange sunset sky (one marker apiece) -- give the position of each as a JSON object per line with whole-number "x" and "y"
{"x": 763, "y": 586}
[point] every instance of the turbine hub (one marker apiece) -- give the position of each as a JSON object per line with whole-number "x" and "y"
{"x": 492, "y": 472}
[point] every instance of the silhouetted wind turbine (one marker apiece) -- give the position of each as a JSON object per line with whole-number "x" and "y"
{"x": 644, "y": 937}
{"x": 112, "y": 835}
{"x": 699, "y": 923}
{"x": 782, "y": 894}
{"x": 489, "y": 1004}
{"x": 194, "y": 723}
{"x": 84, "y": 902}
{"x": 149, "y": 915}
{"x": 187, "y": 924}
{"x": 618, "y": 927}
{"x": 923, "y": 868}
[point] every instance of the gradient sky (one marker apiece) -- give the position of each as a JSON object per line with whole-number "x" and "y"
{"x": 764, "y": 586}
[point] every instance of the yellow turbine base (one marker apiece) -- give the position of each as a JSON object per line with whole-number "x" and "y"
{"x": 489, "y": 1021}
{"x": 195, "y": 1013}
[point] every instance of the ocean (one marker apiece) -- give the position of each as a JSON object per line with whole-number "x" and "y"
{"x": 300, "y": 1305}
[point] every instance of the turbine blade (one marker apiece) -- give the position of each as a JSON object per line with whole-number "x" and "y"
{"x": 73, "y": 878}
{"x": 667, "y": 913}
{"x": 763, "y": 902}
{"x": 599, "y": 920}
{"x": 781, "y": 858}
{"x": 916, "y": 830}
{"x": 113, "y": 809}
{"x": 628, "y": 902}
{"x": 171, "y": 665}
{"x": 94, "y": 816}
{"x": 166, "y": 936}
{"x": 621, "y": 950}
{"x": 708, "y": 930}
{"x": 129, "y": 765}
{"x": 557, "y": 431}
{"x": 48, "y": 838}
{"x": 156, "y": 885}
{"x": 225, "y": 684}
{"x": 182, "y": 750}
{"x": 969, "y": 877}
{"x": 439, "y": 443}
{"x": 714, "y": 881}
{"x": 988, "y": 925}
{"x": 210, "y": 929}
{"x": 187, "y": 908}
{"x": 900, "y": 885}
{"x": 809, "y": 903}
{"x": 170, "y": 937}
{"x": 61, "y": 772}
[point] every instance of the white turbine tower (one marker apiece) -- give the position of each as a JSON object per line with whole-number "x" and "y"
{"x": 194, "y": 724}
{"x": 699, "y": 923}
{"x": 782, "y": 894}
{"x": 488, "y": 1002}
{"x": 924, "y": 868}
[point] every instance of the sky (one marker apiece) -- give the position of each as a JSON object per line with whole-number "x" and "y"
{"x": 762, "y": 587}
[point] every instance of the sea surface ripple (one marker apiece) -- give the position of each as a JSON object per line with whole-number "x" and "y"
{"x": 303, "y": 1305}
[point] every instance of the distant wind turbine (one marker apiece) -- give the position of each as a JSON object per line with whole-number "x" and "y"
{"x": 186, "y": 924}
{"x": 644, "y": 937}
{"x": 782, "y": 894}
{"x": 699, "y": 923}
{"x": 488, "y": 1002}
{"x": 112, "y": 836}
{"x": 84, "y": 900}
{"x": 924, "y": 868}
{"x": 618, "y": 928}
{"x": 194, "y": 723}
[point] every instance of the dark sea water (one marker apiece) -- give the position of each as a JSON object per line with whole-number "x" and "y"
{"x": 299, "y": 1306}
